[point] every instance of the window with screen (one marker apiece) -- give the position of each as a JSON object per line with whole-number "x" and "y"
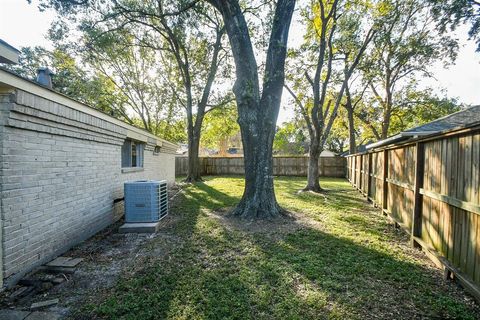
{"x": 132, "y": 154}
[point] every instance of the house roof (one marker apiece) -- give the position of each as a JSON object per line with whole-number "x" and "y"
{"x": 457, "y": 120}
{"x": 9, "y": 79}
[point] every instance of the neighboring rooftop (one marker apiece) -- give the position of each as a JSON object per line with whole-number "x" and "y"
{"x": 360, "y": 149}
{"x": 457, "y": 120}
{"x": 8, "y": 54}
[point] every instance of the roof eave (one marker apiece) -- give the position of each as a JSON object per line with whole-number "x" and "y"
{"x": 9, "y": 79}
{"x": 8, "y": 54}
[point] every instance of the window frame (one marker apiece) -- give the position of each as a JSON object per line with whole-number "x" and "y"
{"x": 132, "y": 154}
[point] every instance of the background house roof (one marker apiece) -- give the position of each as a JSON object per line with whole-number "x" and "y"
{"x": 457, "y": 120}
{"x": 452, "y": 121}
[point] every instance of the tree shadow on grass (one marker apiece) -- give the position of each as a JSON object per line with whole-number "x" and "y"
{"x": 361, "y": 282}
{"x": 221, "y": 271}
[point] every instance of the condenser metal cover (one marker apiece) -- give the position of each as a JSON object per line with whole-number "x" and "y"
{"x": 145, "y": 201}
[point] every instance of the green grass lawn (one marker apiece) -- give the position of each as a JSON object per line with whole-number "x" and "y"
{"x": 338, "y": 259}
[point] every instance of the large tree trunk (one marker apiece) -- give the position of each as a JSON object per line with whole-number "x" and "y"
{"x": 313, "y": 182}
{"x": 257, "y": 111}
{"x": 193, "y": 173}
{"x": 258, "y": 200}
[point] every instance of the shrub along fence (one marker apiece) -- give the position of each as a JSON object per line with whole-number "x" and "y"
{"x": 430, "y": 187}
{"x": 282, "y": 166}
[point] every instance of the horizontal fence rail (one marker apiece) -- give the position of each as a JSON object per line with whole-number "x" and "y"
{"x": 431, "y": 189}
{"x": 282, "y": 166}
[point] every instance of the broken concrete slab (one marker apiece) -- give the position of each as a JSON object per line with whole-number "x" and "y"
{"x": 58, "y": 280}
{"x": 147, "y": 227}
{"x": 67, "y": 270}
{"x": 64, "y": 262}
{"x": 39, "y": 315}
{"x": 20, "y": 292}
{"x": 7, "y": 314}
{"x": 30, "y": 282}
{"x": 43, "y": 304}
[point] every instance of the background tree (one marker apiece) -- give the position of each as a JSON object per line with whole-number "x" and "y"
{"x": 339, "y": 134}
{"x": 186, "y": 34}
{"x": 319, "y": 97}
{"x": 349, "y": 44}
{"x": 403, "y": 49}
{"x": 219, "y": 126}
{"x": 351, "y": 104}
{"x": 290, "y": 139}
{"x": 420, "y": 107}
{"x": 193, "y": 40}
{"x": 417, "y": 107}
{"x": 136, "y": 71}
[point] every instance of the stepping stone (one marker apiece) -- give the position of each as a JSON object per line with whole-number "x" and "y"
{"x": 38, "y": 315}
{"x": 43, "y": 304}
{"x": 64, "y": 262}
{"x": 6, "y": 314}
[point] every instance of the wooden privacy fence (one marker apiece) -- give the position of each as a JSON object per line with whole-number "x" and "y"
{"x": 282, "y": 166}
{"x": 430, "y": 187}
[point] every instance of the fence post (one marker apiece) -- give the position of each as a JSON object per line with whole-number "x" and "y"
{"x": 360, "y": 176}
{"x": 351, "y": 169}
{"x": 385, "y": 183}
{"x": 353, "y": 172}
{"x": 418, "y": 199}
{"x": 369, "y": 177}
{"x": 348, "y": 168}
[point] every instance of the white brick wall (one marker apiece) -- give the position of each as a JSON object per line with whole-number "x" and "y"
{"x": 60, "y": 172}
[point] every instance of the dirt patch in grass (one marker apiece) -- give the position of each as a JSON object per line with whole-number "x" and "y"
{"x": 289, "y": 222}
{"x": 106, "y": 256}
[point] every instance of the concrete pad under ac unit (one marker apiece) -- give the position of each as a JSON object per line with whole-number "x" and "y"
{"x": 139, "y": 227}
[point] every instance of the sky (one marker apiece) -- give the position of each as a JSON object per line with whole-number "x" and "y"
{"x": 22, "y": 24}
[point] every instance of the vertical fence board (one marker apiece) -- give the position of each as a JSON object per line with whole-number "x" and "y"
{"x": 418, "y": 184}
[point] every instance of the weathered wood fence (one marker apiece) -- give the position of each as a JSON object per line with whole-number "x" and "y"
{"x": 430, "y": 187}
{"x": 282, "y": 166}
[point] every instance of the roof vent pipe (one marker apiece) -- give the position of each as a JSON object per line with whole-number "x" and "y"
{"x": 44, "y": 77}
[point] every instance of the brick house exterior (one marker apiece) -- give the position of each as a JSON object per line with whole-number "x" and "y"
{"x": 61, "y": 170}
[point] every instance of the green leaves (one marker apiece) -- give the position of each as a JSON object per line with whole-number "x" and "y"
{"x": 291, "y": 139}
{"x": 452, "y": 13}
{"x": 220, "y": 126}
